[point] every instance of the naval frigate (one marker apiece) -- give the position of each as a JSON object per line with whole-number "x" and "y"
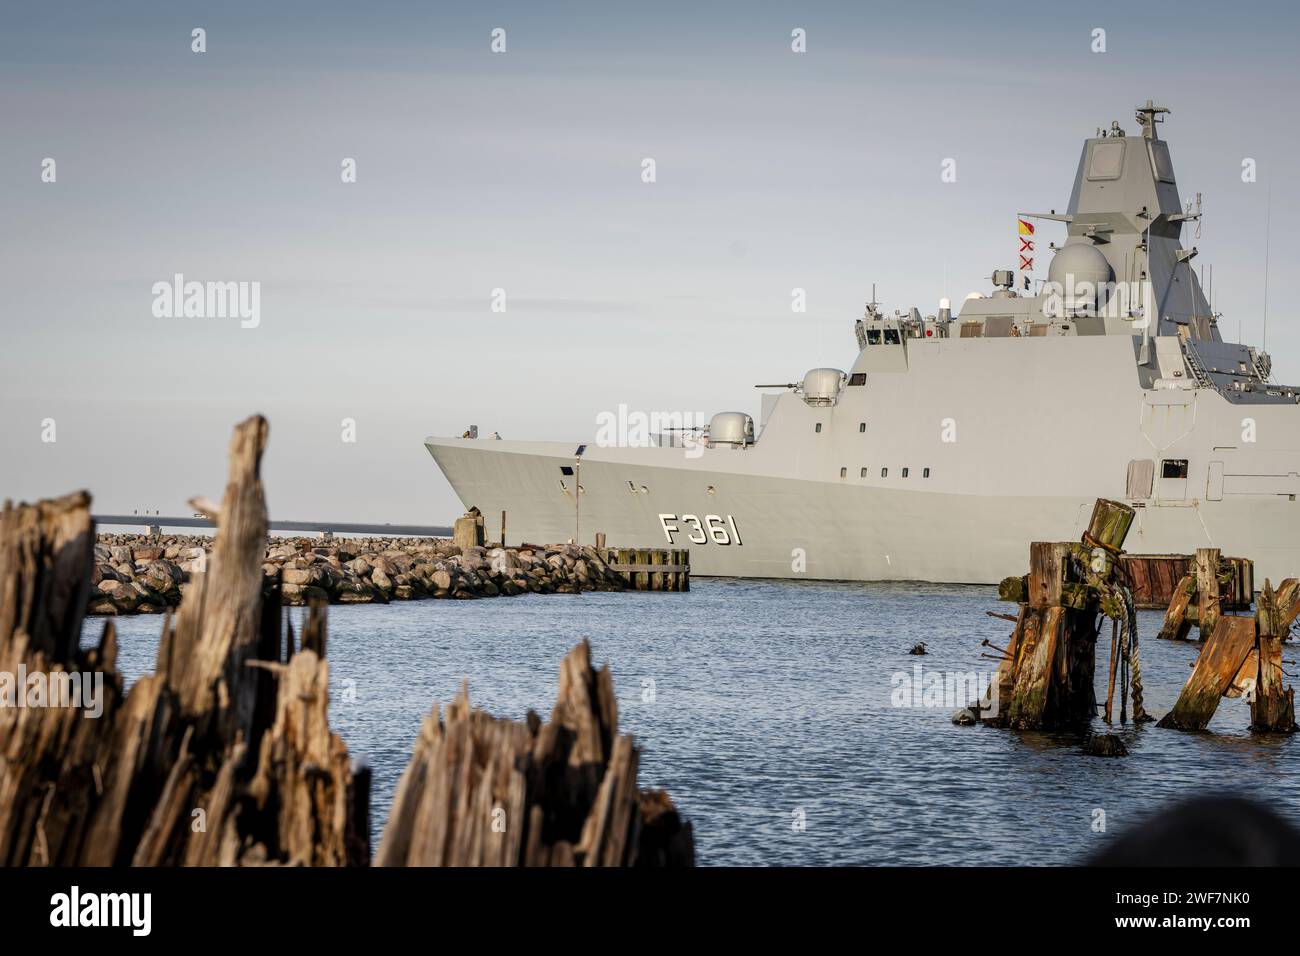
{"x": 954, "y": 440}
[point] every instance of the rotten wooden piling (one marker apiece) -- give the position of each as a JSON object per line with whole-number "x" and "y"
{"x": 224, "y": 755}
{"x": 1242, "y": 656}
{"x": 482, "y": 791}
{"x": 204, "y": 762}
{"x": 1046, "y": 678}
{"x": 1272, "y": 706}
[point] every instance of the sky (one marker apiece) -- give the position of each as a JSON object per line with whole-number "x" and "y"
{"x": 522, "y": 171}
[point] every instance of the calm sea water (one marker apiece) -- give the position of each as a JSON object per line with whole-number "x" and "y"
{"x": 772, "y": 705}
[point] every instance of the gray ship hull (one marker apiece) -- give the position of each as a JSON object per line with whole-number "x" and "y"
{"x": 1026, "y": 461}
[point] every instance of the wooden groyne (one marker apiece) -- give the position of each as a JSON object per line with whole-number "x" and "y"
{"x": 224, "y": 756}
{"x": 1155, "y": 578}
{"x": 1211, "y": 586}
{"x": 653, "y": 569}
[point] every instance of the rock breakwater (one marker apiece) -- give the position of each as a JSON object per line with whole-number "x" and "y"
{"x": 138, "y": 574}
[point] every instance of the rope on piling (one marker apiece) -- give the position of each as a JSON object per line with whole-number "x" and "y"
{"x": 1117, "y": 603}
{"x": 1134, "y": 661}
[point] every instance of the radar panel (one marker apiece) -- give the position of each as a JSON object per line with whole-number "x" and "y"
{"x": 1107, "y": 160}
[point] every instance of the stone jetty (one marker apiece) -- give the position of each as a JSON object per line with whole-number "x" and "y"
{"x": 138, "y": 574}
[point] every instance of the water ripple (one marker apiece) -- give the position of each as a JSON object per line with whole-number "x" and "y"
{"x": 772, "y": 705}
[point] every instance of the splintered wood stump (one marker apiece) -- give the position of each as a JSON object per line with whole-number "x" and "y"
{"x": 222, "y": 756}
{"x": 1288, "y": 603}
{"x": 1177, "y": 625}
{"x": 481, "y": 791}
{"x": 1220, "y": 661}
{"x": 1046, "y": 678}
{"x": 1272, "y": 707}
{"x": 1207, "y": 590}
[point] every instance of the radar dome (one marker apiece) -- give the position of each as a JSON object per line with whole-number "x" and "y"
{"x": 1078, "y": 269}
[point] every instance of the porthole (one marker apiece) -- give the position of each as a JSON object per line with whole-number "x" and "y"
{"x": 844, "y": 472}
{"x": 925, "y": 473}
{"x": 712, "y": 490}
{"x": 863, "y": 474}
{"x": 818, "y": 429}
{"x": 862, "y": 427}
{"x": 884, "y": 472}
{"x": 904, "y": 472}
{"x": 645, "y": 490}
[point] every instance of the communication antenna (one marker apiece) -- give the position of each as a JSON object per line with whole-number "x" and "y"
{"x": 1268, "y": 223}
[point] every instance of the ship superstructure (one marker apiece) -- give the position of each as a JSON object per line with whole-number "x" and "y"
{"x": 954, "y": 440}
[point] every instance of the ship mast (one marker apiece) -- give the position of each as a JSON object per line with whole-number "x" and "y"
{"x": 1148, "y": 116}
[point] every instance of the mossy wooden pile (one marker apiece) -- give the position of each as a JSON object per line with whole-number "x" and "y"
{"x": 1243, "y": 656}
{"x": 1045, "y": 678}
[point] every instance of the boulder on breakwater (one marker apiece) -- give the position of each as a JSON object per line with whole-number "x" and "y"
{"x": 137, "y": 574}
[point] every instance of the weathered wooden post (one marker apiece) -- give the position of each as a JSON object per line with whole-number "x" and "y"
{"x": 1178, "y": 622}
{"x": 1272, "y": 706}
{"x": 1207, "y": 589}
{"x": 1046, "y": 677}
{"x": 1220, "y": 660}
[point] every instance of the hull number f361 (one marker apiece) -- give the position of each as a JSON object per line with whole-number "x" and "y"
{"x": 718, "y": 529}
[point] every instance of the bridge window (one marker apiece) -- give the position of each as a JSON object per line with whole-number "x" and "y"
{"x": 566, "y": 469}
{"x": 891, "y": 337}
{"x": 1173, "y": 468}
{"x": 873, "y": 336}
{"x": 858, "y": 378}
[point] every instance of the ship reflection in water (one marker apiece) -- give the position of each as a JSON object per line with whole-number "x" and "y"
{"x": 788, "y": 721}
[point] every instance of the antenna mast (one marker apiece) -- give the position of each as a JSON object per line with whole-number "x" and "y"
{"x": 1268, "y": 223}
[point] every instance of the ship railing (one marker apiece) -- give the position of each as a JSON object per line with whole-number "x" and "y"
{"x": 1193, "y": 359}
